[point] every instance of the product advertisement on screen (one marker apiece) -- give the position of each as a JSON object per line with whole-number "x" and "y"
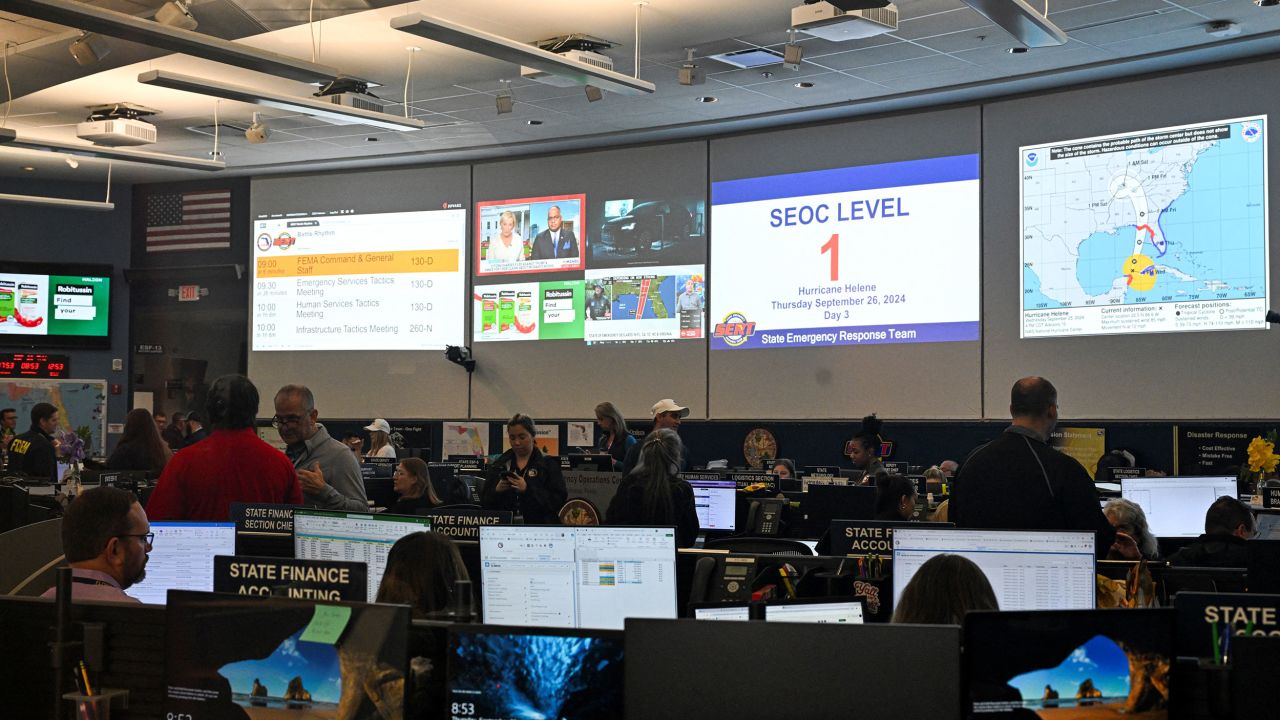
{"x": 57, "y": 305}
{"x": 864, "y": 255}
{"x": 1162, "y": 230}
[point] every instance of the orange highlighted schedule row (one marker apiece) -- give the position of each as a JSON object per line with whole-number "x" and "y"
{"x": 379, "y": 262}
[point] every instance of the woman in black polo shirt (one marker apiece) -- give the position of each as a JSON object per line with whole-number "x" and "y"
{"x": 523, "y": 480}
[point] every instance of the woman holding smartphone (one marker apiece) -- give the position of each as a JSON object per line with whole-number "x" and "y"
{"x": 523, "y": 480}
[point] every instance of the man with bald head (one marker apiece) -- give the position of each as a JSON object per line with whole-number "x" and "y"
{"x": 1019, "y": 482}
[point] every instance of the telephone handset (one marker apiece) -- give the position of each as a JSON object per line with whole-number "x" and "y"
{"x": 765, "y": 517}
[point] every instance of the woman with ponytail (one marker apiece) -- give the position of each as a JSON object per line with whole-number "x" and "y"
{"x": 654, "y": 494}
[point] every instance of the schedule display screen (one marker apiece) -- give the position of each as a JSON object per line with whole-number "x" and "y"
{"x": 337, "y": 280}
{"x": 851, "y": 256}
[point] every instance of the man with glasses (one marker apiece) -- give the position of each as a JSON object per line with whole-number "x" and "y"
{"x": 106, "y": 538}
{"x": 231, "y": 465}
{"x": 329, "y": 473}
{"x": 1019, "y": 482}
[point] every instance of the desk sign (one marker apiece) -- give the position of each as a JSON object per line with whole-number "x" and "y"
{"x": 465, "y": 524}
{"x": 702, "y": 475}
{"x": 1270, "y": 497}
{"x": 807, "y": 480}
{"x": 870, "y": 537}
{"x": 291, "y": 578}
{"x": 263, "y": 529}
{"x": 594, "y": 486}
{"x": 1121, "y": 474}
{"x": 1204, "y": 619}
{"x": 744, "y": 480}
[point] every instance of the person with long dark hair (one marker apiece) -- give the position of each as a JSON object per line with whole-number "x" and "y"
{"x": 412, "y": 482}
{"x": 140, "y": 447}
{"x": 864, "y": 449}
{"x": 422, "y": 569}
{"x": 524, "y": 480}
{"x": 895, "y": 497}
{"x": 654, "y": 494}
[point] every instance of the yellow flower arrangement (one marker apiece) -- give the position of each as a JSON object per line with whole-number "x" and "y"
{"x": 1262, "y": 455}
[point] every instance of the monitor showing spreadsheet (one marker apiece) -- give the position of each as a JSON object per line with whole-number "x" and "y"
{"x": 181, "y": 558}
{"x": 716, "y": 504}
{"x": 846, "y": 611}
{"x": 586, "y": 576}
{"x": 355, "y": 537}
{"x": 1027, "y": 569}
{"x": 1175, "y": 506}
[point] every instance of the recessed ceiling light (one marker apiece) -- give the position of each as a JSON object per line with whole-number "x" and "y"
{"x": 371, "y": 139}
{"x": 766, "y": 74}
{"x": 1018, "y": 49}
{"x": 28, "y": 168}
{"x": 532, "y": 122}
{"x": 804, "y": 84}
{"x": 707, "y": 99}
{"x": 215, "y": 154}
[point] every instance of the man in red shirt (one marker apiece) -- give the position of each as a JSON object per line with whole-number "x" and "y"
{"x": 231, "y": 465}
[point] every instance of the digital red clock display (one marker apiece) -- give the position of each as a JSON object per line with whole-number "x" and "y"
{"x": 34, "y": 365}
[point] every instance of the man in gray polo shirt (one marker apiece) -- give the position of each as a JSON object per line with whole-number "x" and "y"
{"x": 328, "y": 472}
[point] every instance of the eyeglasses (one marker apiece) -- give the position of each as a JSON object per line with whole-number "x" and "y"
{"x": 280, "y": 421}
{"x": 148, "y": 537}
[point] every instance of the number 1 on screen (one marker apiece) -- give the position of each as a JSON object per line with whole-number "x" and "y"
{"x": 834, "y": 246}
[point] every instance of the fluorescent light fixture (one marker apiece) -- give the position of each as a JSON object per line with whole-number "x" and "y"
{"x": 90, "y": 18}
{"x": 315, "y": 107}
{"x": 500, "y": 48}
{"x": 1022, "y": 21}
{"x": 749, "y": 58}
{"x": 63, "y": 203}
{"x": 11, "y": 138}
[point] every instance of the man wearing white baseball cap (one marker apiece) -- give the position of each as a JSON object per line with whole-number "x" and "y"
{"x": 666, "y": 414}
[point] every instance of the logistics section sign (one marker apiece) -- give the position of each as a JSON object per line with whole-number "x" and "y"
{"x": 854, "y": 256}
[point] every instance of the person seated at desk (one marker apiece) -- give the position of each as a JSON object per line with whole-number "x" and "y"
{"x": 422, "y": 570}
{"x": 33, "y": 453}
{"x": 140, "y": 447}
{"x": 106, "y": 538}
{"x": 864, "y": 449}
{"x": 412, "y": 482}
{"x": 380, "y": 440}
{"x": 355, "y": 441}
{"x": 935, "y": 479}
{"x": 1228, "y": 525}
{"x": 654, "y": 494}
{"x": 943, "y": 591}
{"x": 785, "y": 469}
{"x": 614, "y": 439}
{"x": 523, "y": 480}
{"x": 1134, "y": 540}
{"x": 895, "y": 497}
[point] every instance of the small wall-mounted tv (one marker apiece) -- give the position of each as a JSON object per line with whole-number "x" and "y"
{"x": 55, "y": 305}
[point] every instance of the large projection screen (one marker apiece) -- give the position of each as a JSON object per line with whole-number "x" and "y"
{"x": 380, "y": 221}
{"x": 1206, "y": 246}
{"x": 638, "y": 216}
{"x": 935, "y": 379}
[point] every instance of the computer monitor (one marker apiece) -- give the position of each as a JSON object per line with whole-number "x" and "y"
{"x": 721, "y": 611}
{"x": 577, "y": 576}
{"x": 511, "y": 672}
{"x": 181, "y": 558}
{"x": 233, "y": 656}
{"x": 716, "y": 504}
{"x": 713, "y": 670}
{"x": 1268, "y": 526}
{"x": 357, "y": 537}
{"x": 824, "y": 503}
{"x": 1263, "y": 558}
{"x": 1027, "y": 569}
{"x": 1175, "y": 506}
{"x": 1068, "y": 664}
{"x": 839, "y": 611}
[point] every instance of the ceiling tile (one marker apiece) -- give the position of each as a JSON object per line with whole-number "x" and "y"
{"x": 987, "y": 36}
{"x": 896, "y": 52}
{"x": 827, "y": 88}
{"x": 817, "y": 47}
{"x": 757, "y": 76}
{"x": 941, "y": 23}
{"x": 1091, "y": 15}
{"x": 919, "y": 67}
{"x": 1131, "y": 30}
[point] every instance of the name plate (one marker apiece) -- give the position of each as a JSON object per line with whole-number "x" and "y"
{"x": 743, "y": 480}
{"x": 870, "y": 537}
{"x": 465, "y": 524}
{"x": 1270, "y": 497}
{"x": 263, "y": 529}
{"x": 1230, "y": 614}
{"x": 291, "y": 578}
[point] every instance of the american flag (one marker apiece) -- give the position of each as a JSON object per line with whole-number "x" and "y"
{"x": 196, "y": 220}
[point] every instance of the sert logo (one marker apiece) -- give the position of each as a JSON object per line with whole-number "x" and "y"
{"x": 734, "y": 330}
{"x": 1033, "y": 159}
{"x": 264, "y": 242}
{"x": 284, "y": 241}
{"x": 1251, "y": 132}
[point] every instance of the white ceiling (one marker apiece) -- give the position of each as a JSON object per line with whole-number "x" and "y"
{"x": 942, "y": 51}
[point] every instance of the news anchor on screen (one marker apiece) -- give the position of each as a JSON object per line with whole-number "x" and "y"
{"x": 556, "y": 241}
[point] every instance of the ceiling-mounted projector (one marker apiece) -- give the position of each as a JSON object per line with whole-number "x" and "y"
{"x": 845, "y": 20}
{"x": 577, "y": 47}
{"x": 118, "y": 125}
